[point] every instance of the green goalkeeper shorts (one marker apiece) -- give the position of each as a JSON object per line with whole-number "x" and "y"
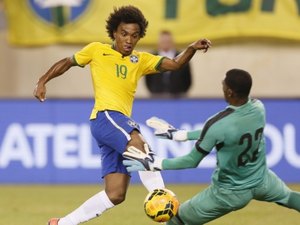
{"x": 215, "y": 202}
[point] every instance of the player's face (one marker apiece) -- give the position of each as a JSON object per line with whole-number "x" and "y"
{"x": 225, "y": 91}
{"x": 126, "y": 37}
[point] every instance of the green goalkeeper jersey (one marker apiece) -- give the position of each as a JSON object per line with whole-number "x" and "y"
{"x": 237, "y": 135}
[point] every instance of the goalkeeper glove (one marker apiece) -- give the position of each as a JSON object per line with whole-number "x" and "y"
{"x": 140, "y": 161}
{"x": 165, "y": 130}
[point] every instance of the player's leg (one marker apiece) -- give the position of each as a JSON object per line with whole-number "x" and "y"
{"x": 151, "y": 180}
{"x": 176, "y": 220}
{"x": 109, "y": 136}
{"x": 120, "y": 132}
{"x": 116, "y": 180}
{"x": 114, "y": 194}
{"x": 294, "y": 201}
{"x": 273, "y": 189}
{"x": 116, "y": 185}
{"x": 209, "y": 205}
{"x": 115, "y": 190}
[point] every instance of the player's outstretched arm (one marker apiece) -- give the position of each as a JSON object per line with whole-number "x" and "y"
{"x": 185, "y": 56}
{"x": 56, "y": 70}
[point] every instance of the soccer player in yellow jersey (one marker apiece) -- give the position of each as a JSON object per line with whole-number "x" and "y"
{"x": 116, "y": 70}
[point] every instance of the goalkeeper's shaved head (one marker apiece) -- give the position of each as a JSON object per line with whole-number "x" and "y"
{"x": 239, "y": 81}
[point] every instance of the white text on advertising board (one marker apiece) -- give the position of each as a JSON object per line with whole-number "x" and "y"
{"x": 68, "y": 145}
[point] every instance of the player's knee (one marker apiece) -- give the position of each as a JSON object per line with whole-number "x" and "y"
{"x": 116, "y": 198}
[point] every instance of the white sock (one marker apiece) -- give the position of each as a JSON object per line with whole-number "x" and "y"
{"x": 151, "y": 180}
{"x": 90, "y": 209}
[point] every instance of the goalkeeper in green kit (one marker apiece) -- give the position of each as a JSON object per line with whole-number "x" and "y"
{"x": 241, "y": 174}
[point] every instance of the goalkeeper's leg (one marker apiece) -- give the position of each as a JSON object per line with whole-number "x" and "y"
{"x": 275, "y": 190}
{"x": 151, "y": 180}
{"x": 210, "y": 204}
{"x": 175, "y": 221}
{"x": 294, "y": 201}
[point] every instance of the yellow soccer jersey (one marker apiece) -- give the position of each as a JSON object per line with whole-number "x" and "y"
{"x": 115, "y": 76}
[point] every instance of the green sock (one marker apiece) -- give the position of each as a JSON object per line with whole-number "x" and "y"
{"x": 294, "y": 201}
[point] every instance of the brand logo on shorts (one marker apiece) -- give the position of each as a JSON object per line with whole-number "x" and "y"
{"x": 133, "y": 124}
{"x": 134, "y": 59}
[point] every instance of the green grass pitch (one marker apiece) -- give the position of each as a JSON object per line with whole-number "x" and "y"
{"x": 35, "y": 204}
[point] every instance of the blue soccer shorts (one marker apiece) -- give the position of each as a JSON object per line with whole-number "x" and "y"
{"x": 112, "y": 129}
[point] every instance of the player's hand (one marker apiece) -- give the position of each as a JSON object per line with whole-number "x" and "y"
{"x": 40, "y": 92}
{"x": 133, "y": 165}
{"x": 164, "y": 130}
{"x": 202, "y": 44}
{"x": 140, "y": 161}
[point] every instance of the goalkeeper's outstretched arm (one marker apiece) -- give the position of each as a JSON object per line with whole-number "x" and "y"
{"x": 164, "y": 130}
{"x": 184, "y": 135}
{"x": 190, "y": 160}
{"x": 193, "y": 135}
{"x": 139, "y": 161}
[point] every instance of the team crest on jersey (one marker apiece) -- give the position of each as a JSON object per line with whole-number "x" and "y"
{"x": 59, "y": 12}
{"x": 133, "y": 124}
{"x": 134, "y": 59}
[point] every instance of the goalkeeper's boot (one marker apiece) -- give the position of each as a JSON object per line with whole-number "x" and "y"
{"x": 53, "y": 221}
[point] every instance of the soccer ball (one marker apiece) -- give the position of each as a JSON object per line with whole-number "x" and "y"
{"x": 161, "y": 205}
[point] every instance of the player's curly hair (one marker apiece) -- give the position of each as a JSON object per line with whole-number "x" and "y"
{"x": 126, "y": 14}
